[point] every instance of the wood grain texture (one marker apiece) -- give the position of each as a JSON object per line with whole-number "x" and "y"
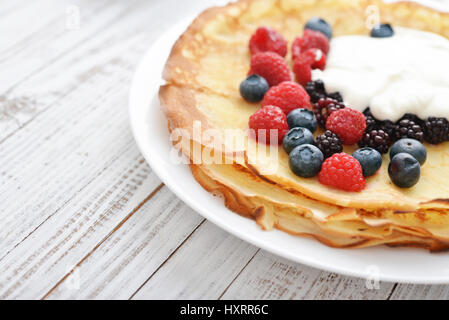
{"x": 270, "y": 277}
{"x": 118, "y": 268}
{"x": 82, "y": 216}
{"x": 201, "y": 269}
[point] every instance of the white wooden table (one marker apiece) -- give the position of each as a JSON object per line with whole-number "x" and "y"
{"x": 81, "y": 213}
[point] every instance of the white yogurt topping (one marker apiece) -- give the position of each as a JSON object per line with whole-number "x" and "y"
{"x": 406, "y": 73}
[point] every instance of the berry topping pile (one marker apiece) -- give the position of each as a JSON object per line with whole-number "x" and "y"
{"x": 291, "y": 112}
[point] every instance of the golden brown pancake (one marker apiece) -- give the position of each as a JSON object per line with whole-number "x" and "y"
{"x": 203, "y": 74}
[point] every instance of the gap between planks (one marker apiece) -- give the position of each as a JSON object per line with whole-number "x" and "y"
{"x": 151, "y": 195}
{"x": 168, "y": 258}
{"x": 48, "y": 63}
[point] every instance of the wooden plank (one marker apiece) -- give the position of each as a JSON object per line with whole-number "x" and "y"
{"x": 113, "y": 23}
{"x": 81, "y": 127}
{"x": 43, "y": 258}
{"x": 132, "y": 254}
{"x": 270, "y": 277}
{"x": 21, "y": 100}
{"x": 78, "y": 140}
{"x": 201, "y": 269}
{"x": 47, "y": 33}
{"x": 420, "y": 292}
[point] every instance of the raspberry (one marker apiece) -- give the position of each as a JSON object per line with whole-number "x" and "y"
{"x": 348, "y": 124}
{"x": 342, "y": 171}
{"x": 266, "y": 119}
{"x": 267, "y": 39}
{"x": 288, "y": 96}
{"x": 317, "y": 58}
{"x": 303, "y": 69}
{"x": 270, "y": 66}
{"x": 323, "y": 109}
{"x": 310, "y": 40}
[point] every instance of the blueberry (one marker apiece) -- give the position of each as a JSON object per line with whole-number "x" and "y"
{"x": 410, "y": 146}
{"x": 319, "y": 24}
{"x": 306, "y": 160}
{"x": 370, "y": 159}
{"x": 253, "y": 88}
{"x": 302, "y": 118}
{"x": 404, "y": 170}
{"x": 382, "y": 31}
{"x": 296, "y": 137}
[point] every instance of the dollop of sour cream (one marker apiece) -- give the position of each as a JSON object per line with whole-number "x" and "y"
{"x": 406, "y": 73}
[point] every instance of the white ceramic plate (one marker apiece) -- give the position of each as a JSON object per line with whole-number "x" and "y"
{"x": 150, "y": 130}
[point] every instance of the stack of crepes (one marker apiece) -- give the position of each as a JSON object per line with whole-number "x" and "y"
{"x": 203, "y": 74}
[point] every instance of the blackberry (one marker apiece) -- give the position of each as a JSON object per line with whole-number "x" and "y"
{"x": 323, "y": 109}
{"x": 317, "y": 91}
{"x": 329, "y": 143}
{"x": 388, "y": 127}
{"x": 336, "y": 96}
{"x": 407, "y": 128}
{"x": 376, "y": 139}
{"x": 412, "y": 117}
{"x": 436, "y": 130}
{"x": 371, "y": 122}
